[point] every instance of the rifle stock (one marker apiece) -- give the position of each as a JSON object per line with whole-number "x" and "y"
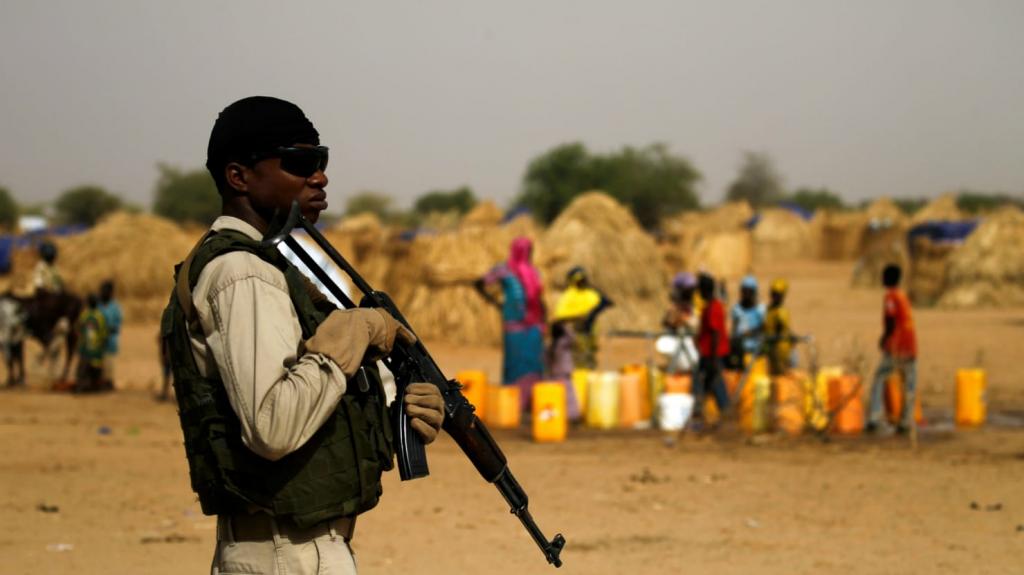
{"x": 413, "y": 363}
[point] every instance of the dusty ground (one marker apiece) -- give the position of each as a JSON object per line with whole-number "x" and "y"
{"x": 106, "y": 476}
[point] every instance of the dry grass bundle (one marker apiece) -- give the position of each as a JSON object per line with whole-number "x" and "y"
{"x": 841, "y": 235}
{"x": 941, "y": 209}
{"x": 137, "y": 251}
{"x": 883, "y": 212}
{"x": 879, "y": 248}
{"x": 716, "y": 241}
{"x": 485, "y": 214}
{"x": 601, "y": 235}
{"x": 928, "y": 266}
{"x": 431, "y": 279}
{"x": 782, "y": 234}
{"x": 988, "y": 269}
{"x": 362, "y": 239}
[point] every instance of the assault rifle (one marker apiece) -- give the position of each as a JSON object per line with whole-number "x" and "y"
{"x": 412, "y": 363}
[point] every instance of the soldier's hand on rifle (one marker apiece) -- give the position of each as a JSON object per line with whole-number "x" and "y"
{"x": 425, "y": 407}
{"x": 348, "y": 336}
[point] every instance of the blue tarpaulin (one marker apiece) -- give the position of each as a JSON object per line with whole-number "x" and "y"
{"x": 942, "y": 232}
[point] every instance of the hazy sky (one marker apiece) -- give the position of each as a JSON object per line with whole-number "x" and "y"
{"x": 902, "y": 98}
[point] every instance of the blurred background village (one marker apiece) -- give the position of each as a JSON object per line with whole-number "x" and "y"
{"x": 795, "y": 143}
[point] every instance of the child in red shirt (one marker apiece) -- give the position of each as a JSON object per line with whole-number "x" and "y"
{"x": 899, "y": 351}
{"x": 713, "y": 346}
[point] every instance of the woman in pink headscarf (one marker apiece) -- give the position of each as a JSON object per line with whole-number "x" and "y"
{"x": 522, "y": 314}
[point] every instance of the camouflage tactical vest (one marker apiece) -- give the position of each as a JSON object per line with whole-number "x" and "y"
{"x": 336, "y": 473}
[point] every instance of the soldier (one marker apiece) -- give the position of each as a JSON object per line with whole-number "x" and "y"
{"x": 284, "y": 416}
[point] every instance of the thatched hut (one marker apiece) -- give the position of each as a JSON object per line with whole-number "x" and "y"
{"x": 716, "y": 241}
{"x": 137, "y": 251}
{"x": 604, "y": 237}
{"x": 841, "y": 234}
{"x": 988, "y": 269}
{"x": 781, "y": 234}
{"x": 941, "y": 209}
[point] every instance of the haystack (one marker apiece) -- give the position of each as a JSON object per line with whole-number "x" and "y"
{"x": 884, "y": 213}
{"x": 361, "y": 239}
{"x": 929, "y": 263}
{"x": 841, "y": 235}
{"x": 137, "y": 251}
{"x": 485, "y": 214}
{"x": 431, "y": 280}
{"x": 988, "y": 269}
{"x": 716, "y": 241}
{"x": 941, "y": 209}
{"x": 601, "y": 235}
{"x": 882, "y": 242}
{"x": 781, "y": 234}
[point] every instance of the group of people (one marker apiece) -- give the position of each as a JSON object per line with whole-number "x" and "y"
{"x": 758, "y": 330}
{"x": 97, "y": 326}
{"x": 572, "y": 341}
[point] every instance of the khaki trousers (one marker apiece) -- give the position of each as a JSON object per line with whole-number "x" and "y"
{"x": 256, "y": 544}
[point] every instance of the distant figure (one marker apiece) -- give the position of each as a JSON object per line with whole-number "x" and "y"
{"x": 778, "y": 330}
{"x": 682, "y": 320}
{"x": 713, "y": 346}
{"x": 683, "y": 314}
{"x": 111, "y": 311}
{"x": 522, "y": 317}
{"x": 92, "y": 346}
{"x": 899, "y": 351}
{"x": 12, "y": 339}
{"x": 45, "y": 275}
{"x": 747, "y": 323}
{"x": 581, "y": 304}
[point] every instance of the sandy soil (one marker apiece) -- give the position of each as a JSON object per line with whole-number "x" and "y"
{"x": 106, "y": 476}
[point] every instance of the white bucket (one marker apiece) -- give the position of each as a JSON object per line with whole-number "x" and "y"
{"x": 674, "y": 410}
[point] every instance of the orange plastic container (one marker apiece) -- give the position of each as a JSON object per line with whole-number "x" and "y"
{"x": 502, "y": 406}
{"x": 580, "y": 378}
{"x": 789, "y": 404}
{"x": 894, "y": 400}
{"x": 846, "y": 404}
{"x": 632, "y": 396}
{"x": 644, "y": 376}
{"x": 678, "y": 383}
{"x": 970, "y": 397}
{"x": 550, "y": 422}
{"x": 474, "y": 387}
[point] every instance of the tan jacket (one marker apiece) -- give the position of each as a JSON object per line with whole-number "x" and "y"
{"x": 250, "y": 335}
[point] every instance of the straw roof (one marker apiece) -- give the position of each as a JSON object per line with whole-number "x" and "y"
{"x": 988, "y": 269}
{"x": 942, "y": 208}
{"x": 622, "y": 260}
{"x": 782, "y": 234}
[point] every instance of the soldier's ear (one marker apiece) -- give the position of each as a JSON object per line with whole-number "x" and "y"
{"x": 237, "y": 177}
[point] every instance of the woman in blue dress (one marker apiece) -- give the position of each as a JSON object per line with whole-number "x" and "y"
{"x": 522, "y": 317}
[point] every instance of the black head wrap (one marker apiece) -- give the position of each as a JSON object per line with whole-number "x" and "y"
{"x": 255, "y": 125}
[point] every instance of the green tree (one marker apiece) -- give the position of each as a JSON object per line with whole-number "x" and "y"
{"x": 812, "y": 199}
{"x": 368, "y": 201}
{"x": 461, "y": 199}
{"x": 186, "y": 196}
{"x": 976, "y": 202}
{"x": 85, "y": 205}
{"x": 554, "y": 178}
{"x": 908, "y": 205}
{"x": 8, "y": 209}
{"x": 650, "y": 180}
{"x": 758, "y": 182}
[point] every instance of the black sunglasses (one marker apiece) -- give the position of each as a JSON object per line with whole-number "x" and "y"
{"x": 302, "y": 162}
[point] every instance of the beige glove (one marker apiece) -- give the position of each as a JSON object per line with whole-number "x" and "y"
{"x": 348, "y": 336}
{"x": 425, "y": 406}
